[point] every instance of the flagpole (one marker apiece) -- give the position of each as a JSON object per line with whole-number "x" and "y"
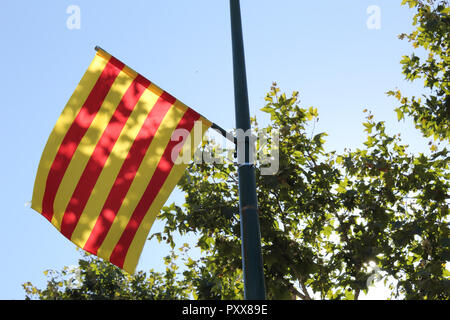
{"x": 254, "y": 288}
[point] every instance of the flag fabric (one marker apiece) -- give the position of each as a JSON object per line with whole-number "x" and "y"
{"x": 112, "y": 160}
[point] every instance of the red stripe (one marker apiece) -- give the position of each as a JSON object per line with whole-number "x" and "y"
{"x": 76, "y": 132}
{"x": 100, "y": 154}
{"x": 128, "y": 172}
{"x": 156, "y": 182}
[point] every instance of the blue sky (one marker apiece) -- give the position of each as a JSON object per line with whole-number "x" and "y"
{"x": 322, "y": 49}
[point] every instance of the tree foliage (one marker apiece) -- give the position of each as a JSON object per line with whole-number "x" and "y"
{"x": 330, "y": 223}
{"x": 94, "y": 279}
{"x": 431, "y": 112}
{"x": 326, "y": 218}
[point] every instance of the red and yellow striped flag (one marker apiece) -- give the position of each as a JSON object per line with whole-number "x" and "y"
{"x": 110, "y": 162}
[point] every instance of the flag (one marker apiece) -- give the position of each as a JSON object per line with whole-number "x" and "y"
{"x": 112, "y": 160}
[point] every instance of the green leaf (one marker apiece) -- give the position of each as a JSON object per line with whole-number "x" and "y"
{"x": 400, "y": 114}
{"x": 267, "y": 109}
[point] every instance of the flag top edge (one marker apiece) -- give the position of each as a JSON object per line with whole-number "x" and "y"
{"x": 153, "y": 88}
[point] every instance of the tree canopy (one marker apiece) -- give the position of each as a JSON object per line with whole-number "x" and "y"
{"x": 431, "y": 112}
{"x": 330, "y": 223}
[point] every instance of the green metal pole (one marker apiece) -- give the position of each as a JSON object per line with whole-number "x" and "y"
{"x": 252, "y": 265}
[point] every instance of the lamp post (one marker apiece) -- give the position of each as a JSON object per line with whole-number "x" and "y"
{"x": 254, "y": 288}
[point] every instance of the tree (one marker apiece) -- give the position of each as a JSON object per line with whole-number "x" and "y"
{"x": 98, "y": 280}
{"x": 327, "y": 219}
{"x": 330, "y": 223}
{"x": 432, "y": 34}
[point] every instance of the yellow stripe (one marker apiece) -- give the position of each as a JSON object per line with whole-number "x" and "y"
{"x": 112, "y": 167}
{"x": 63, "y": 124}
{"x": 139, "y": 184}
{"x": 184, "y": 107}
{"x": 174, "y": 176}
{"x": 87, "y": 145}
{"x": 157, "y": 90}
